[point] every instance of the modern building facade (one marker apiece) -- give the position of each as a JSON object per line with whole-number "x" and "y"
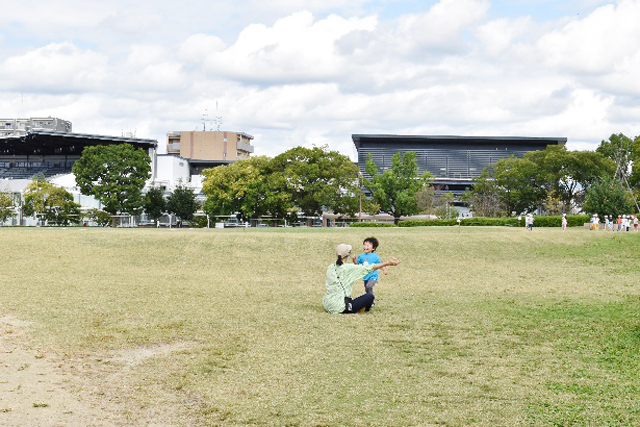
{"x": 453, "y": 161}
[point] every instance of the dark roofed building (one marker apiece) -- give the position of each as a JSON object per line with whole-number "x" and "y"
{"x": 51, "y": 152}
{"x": 454, "y": 161}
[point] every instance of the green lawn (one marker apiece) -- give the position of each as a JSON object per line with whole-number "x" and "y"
{"x": 486, "y": 327}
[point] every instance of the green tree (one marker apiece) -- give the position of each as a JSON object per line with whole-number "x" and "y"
{"x": 250, "y": 188}
{"x": 484, "y": 197}
{"x": 50, "y": 203}
{"x": 521, "y": 184}
{"x": 625, "y": 152}
{"x": 395, "y": 189}
{"x": 553, "y": 205}
{"x": 100, "y": 217}
{"x": 607, "y": 197}
{"x": 444, "y": 206}
{"x": 426, "y": 200}
{"x": 115, "y": 175}
{"x": 622, "y": 150}
{"x": 7, "y": 204}
{"x": 634, "y": 176}
{"x": 318, "y": 179}
{"x": 182, "y": 202}
{"x": 155, "y": 204}
{"x": 568, "y": 173}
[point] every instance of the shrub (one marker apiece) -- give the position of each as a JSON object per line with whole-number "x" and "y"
{"x": 427, "y": 222}
{"x": 199, "y": 222}
{"x": 538, "y": 221}
{"x": 556, "y": 221}
{"x": 371, "y": 224}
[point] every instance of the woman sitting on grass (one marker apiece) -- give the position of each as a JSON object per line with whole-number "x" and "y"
{"x": 341, "y": 276}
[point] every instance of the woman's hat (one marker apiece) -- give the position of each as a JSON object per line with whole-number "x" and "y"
{"x": 343, "y": 250}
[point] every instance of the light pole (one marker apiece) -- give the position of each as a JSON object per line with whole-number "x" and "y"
{"x": 360, "y": 185}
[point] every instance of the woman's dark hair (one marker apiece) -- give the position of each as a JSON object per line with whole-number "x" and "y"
{"x": 373, "y": 241}
{"x": 339, "y": 261}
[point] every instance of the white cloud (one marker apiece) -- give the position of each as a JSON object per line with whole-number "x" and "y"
{"x": 314, "y": 72}
{"x": 500, "y": 35}
{"x": 58, "y": 67}
{"x": 198, "y": 46}
{"x": 596, "y": 43}
{"x": 441, "y": 28}
{"x": 296, "y": 48}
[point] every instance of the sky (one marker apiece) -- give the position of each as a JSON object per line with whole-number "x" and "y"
{"x": 312, "y": 73}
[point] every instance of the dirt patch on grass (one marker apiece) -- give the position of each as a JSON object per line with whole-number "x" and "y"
{"x": 41, "y": 388}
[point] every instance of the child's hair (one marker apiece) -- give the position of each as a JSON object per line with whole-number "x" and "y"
{"x": 339, "y": 261}
{"x": 374, "y": 242}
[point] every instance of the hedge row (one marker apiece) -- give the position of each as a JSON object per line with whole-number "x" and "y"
{"x": 538, "y": 221}
{"x": 371, "y": 224}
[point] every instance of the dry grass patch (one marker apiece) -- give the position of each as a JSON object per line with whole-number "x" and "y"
{"x": 490, "y": 326}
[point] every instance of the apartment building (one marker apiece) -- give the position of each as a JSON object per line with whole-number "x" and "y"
{"x": 219, "y": 146}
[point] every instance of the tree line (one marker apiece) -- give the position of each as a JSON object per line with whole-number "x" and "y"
{"x": 556, "y": 180}
{"x": 316, "y": 180}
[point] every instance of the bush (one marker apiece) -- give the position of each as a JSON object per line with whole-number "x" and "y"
{"x": 427, "y": 222}
{"x": 556, "y": 221}
{"x": 538, "y": 221}
{"x": 199, "y": 222}
{"x": 371, "y": 224}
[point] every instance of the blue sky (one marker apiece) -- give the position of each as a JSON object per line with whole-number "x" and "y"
{"x": 313, "y": 72}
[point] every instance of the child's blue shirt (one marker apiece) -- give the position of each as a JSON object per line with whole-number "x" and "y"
{"x": 370, "y": 259}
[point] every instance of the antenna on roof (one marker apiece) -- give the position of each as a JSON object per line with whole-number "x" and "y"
{"x": 218, "y": 119}
{"x": 204, "y": 120}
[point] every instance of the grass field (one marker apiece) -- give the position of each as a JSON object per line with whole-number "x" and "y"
{"x": 486, "y": 327}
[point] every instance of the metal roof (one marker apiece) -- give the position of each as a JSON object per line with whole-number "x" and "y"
{"x": 51, "y": 142}
{"x": 359, "y": 139}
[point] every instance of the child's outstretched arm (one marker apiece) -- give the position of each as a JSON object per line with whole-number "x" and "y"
{"x": 392, "y": 261}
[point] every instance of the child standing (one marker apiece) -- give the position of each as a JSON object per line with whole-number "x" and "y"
{"x": 369, "y": 246}
{"x": 564, "y": 221}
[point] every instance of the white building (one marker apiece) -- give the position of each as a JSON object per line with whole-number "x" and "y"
{"x": 16, "y": 127}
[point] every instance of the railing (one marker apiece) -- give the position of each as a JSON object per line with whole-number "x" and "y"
{"x": 173, "y": 147}
{"x": 244, "y": 147}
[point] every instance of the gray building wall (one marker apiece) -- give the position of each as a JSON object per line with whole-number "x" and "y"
{"x": 453, "y": 161}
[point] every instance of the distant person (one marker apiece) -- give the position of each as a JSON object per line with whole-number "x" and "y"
{"x": 619, "y": 222}
{"x": 635, "y": 223}
{"x": 529, "y": 221}
{"x": 564, "y": 221}
{"x": 340, "y": 279}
